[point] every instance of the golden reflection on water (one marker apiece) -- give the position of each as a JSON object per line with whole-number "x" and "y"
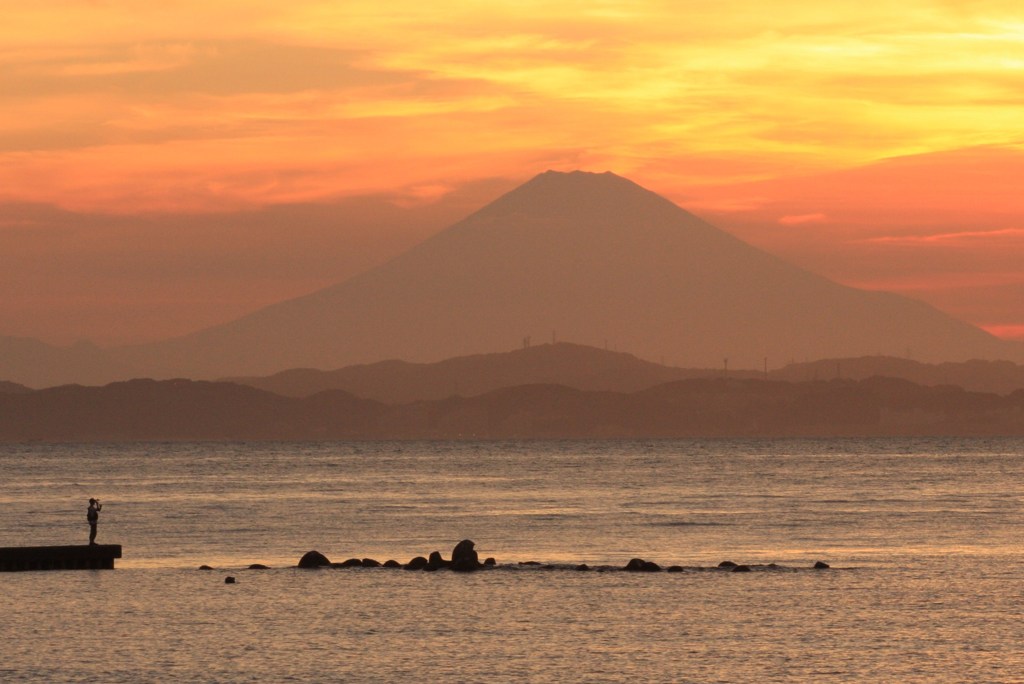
{"x": 923, "y": 538}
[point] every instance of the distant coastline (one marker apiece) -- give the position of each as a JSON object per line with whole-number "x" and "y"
{"x": 185, "y": 410}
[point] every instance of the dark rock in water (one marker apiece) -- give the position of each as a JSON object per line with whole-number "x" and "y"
{"x": 530, "y": 563}
{"x": 205, "y": 567}
{"x": 641, "y": 565}
{"x": 464, "y": 551}
{"x": 582, "y": 567}
{"x": 741, "y": 568}
{"x": 434, "y": 560}
{"x": 417, "y": 563}
{"x": 229, "y": 580}
{"x": 392, "y": 564}
{"x": 370, "y": 563}
{"x": 674, "y": 568}
{"x": 821, "y": 565}
{"x": 350, "y": 563}
{"x": 490, "y": 561}
{"x": 430, "y": 568}
{"x": 464, "y": 557}
{"x": 635, "y": 565}
{"x": 314, "y": 559}
{"x": 259, "y": 566}
{"x": 727, "y": 564}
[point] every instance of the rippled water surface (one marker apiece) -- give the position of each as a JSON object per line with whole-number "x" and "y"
{"x": 923, "y": 537}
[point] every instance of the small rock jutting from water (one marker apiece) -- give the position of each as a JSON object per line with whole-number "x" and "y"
{"x": 205, "y": 567}
{"x": 392, "y": 564}
{"x": 727, "y": 564}
{"x": 641, "y": 565}
{"x": 465, "y": 557}
{"x": 821, "y": 565}
{"x": 259, "y": 566}
{"x": 314, "y": 559}
{"x": 417, "y": 563}
{"x": 741, "y": 568}
{"x": 229, "y": 580}
{"x": 436, "y": 562}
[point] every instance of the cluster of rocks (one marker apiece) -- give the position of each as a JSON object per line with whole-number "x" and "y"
{"x": 464, "y": 559}
{"x": 641, "y": 565}
{"x": 736, "y": 567}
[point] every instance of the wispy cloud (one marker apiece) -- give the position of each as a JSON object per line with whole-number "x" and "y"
{"x": 950, "y": 239}
{"x": 801, "y": 219}
{"x": 930, "y": 281}
{"x": 638, "y": 87}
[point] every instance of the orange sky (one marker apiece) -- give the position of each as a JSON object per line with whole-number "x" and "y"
{"x": 167, "y": 167}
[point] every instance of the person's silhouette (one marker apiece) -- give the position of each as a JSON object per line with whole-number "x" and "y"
{"x": 93, "y": 516}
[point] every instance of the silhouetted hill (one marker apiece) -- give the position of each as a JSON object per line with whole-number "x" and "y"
{"x": 595, "y": 258}
{"x": 588, "y": 368}
{"x": 1000, "y": 377}
{"x": 187, "y": 410}
{"x": 12, "y": 388}
{"x": 36, "y": 364}
{"x": 175, "y": 410}
{"x": 399, "y": 382}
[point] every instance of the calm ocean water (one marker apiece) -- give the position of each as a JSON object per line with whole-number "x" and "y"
{"x": 924, "y": 538}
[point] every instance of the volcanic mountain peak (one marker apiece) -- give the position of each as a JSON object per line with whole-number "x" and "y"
{"x": 582, "y": 197}
{"x": 590, "y": 258}
{"x": 577, "y": 232}
{"x": 554, "y": 190}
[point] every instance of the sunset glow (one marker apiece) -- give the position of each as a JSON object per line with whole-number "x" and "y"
{"x": 878, "y": 145}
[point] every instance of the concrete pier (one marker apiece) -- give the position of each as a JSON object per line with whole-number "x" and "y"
{"x": 86, "y": 557}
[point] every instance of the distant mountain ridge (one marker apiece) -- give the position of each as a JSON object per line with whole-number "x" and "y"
{"x": 12, "y": 388}
{"x": 587, "y": 368}
{"x": 976, "y": 375}
{"x": 562, "y": 363}
{"x": 33, "y": 363}
{"x": 147, "y": 410}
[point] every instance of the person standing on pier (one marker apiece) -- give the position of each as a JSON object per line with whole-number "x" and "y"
{"x": 93, "y": 516}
